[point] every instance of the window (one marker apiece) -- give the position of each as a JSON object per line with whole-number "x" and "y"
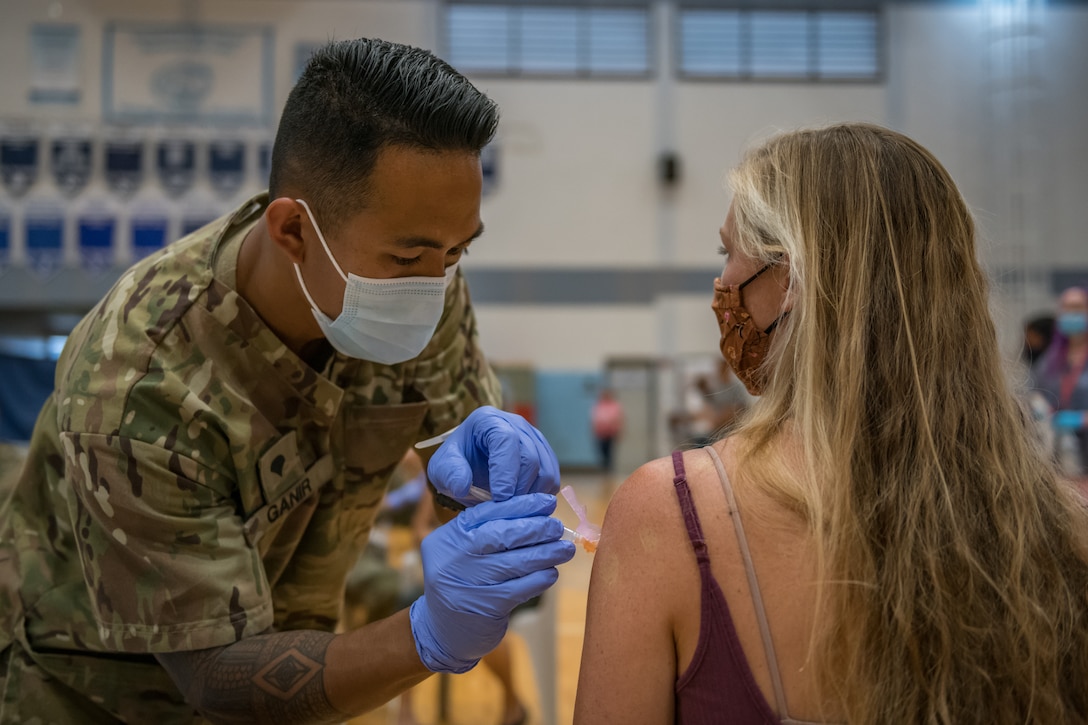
{"x": 848, "y": 45}
{"x": 710, "y": 43}
{"x": 819, "y": 45}
{"x": 548, "y": 40}
{"x": 479, "y": 37}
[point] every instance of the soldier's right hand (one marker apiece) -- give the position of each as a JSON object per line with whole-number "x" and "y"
{"x": 476, "y": 568}
{"x": 497, "y": 451}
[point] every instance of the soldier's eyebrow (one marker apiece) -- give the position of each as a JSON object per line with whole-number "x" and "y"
{"x": 410, "y": 242}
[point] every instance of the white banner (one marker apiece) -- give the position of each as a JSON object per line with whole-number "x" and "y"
{"x": 154, "y": 73}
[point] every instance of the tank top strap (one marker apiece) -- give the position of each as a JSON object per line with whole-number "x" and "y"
{"x": 753, "y": 585}
{"x": 687, "y": 506}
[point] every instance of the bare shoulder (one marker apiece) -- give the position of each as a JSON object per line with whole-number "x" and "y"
{"x": 636, "y": 591}
{"x": 644, "y": 497}
{"x": 644, "y": 520}
{"x": 653, "y": 484}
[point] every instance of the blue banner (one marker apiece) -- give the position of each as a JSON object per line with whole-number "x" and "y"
{"x": 176, "y": 165}
{"x": 44, "y": 227}
{"x": 124, "y": 165}
{"x": 149, "y": 232}
{"x": 96, "y": 234}
{"x": 5, "y": 239}
{"x": 226, "y": 166}
{"x": 19, "y": 163}
{"x": 70, "y": 163}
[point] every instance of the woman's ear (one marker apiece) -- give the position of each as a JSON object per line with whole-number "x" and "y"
{"x": 284, "y": 219}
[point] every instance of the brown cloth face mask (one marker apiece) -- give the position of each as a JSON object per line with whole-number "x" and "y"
{"x": 743, "y": 345}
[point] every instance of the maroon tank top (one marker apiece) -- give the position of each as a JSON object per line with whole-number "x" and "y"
{"x": 718, "y": 686}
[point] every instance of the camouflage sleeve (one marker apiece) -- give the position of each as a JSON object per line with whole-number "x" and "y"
{"x": 165, "y": 557}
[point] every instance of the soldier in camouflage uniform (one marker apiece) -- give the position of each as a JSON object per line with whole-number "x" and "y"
{"x": 208, "y": 467}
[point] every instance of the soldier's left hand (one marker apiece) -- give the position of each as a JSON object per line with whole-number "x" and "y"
{"x": 476, "y": 569}
{"x": 497, "y": 451}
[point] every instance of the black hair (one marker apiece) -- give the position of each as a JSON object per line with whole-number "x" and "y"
{"x": 355, "y": 98}
{"x": 1043, "y": 326}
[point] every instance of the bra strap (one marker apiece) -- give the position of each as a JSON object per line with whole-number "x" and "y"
{"x": 753, "y": 585}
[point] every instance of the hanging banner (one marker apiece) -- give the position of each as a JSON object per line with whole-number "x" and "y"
{"x": 124, "y": 165}
{"x": 226, "y": 166}
{"x": 175, "y": 162}
{"x": 54, "y": 63}
{"x": 19, "y": 162}
{"x": 96, "y": 234}
{"x": 70, "y": 163}
{"x": 149, "y": 227}
{"x": 188, "y": 73}
{"x": 5, "y": 238}
{"x": 44, "y": 234}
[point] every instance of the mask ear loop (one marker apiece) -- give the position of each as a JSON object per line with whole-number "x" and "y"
{"x": 321, "y": 238}
{"x": 745, "y": 283}
{"x": 313, "y": 305}
{"x": 770, "y": 328}
{"x": 751, "y": 279}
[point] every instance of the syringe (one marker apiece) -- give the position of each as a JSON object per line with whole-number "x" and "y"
{"x": 478, "y": 495}
{"x": 589, "y": 544}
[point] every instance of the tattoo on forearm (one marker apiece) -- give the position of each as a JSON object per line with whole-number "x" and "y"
{"x": 284, "y": 676}
{"x": 268, "y": 678}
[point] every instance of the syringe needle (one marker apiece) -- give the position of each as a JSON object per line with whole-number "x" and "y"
{"x": 437, "y": 440}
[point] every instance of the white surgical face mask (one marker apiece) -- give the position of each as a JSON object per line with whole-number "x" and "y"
{"x": 385, "y": 321}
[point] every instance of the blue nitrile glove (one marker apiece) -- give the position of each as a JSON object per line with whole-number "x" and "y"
{"x": 1068, "y": 420}
{"x": 497, "y": 451}
{"x": 476, "y": 568}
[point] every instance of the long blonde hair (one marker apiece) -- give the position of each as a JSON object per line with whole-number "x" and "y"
{"x": 952, "y": 563}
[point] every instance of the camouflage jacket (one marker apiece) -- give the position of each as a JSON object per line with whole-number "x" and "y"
{"x": 192, "y": 482}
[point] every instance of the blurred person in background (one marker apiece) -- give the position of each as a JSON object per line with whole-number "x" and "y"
{"x": 1060, "y": 377}
{"x": 881, "y": 540}
{"x": 1038, "y": 332}
{"x": 717, "y": 402}
{"x": 226, "y": 419}
{"x": 726, "y": 399}
{"x": 606, "y": 420}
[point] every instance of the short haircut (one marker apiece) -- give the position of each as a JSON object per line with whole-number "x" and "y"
{"x": 357, "y": 97}
{"x": 1042, "y": 324}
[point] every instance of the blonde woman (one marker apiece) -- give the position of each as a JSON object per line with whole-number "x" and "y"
{"x": 879, "y": 540}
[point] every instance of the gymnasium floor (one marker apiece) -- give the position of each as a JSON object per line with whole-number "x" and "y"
{"x": 475, "y": 697}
